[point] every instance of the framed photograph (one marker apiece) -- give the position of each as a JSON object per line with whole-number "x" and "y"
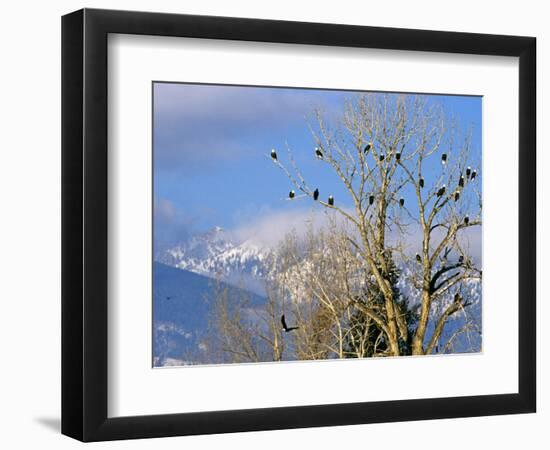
{"x": 273, "y": 224}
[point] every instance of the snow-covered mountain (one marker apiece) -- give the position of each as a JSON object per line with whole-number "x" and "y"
{"x": 217, "y": 254}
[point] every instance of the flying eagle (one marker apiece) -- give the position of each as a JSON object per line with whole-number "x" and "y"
{"x": 291, "y": 194}
{"x": 315, "y": 194}
{"x": 441, "y": 191}
{"x": 274, "y": 154}
{"x": 286, "y": 329}
{"x": 331, "y": 200}
{"x": 318, "y": 153}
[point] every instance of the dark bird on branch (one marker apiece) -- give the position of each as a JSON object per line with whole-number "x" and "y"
{"x": 418, "y": 258}
{"x": 286, "y": 329}
{"x": 331, "y": 200}
{"x": 466, "y": 220}
{"x": 444, "y": 158}
{"x": 461, "y": 181}
{"x": 367, "y": 147}
{"x": 421, "y": 182}
{"x": 381, "y": 157}
{"x": 401, "y": 202}
{"x": 457, "y": 196}
{"x": 468, "y": 171}
{"x": 371, "y": 199}
{"x": 474, "y": 173}
{"x": 291, "y": 194}
{"x": 274, "y": 154}
{"x": 457, "y": 298}
{"x": 441, "y": 191}
{"x": 398, "y": 156}
{"x": 318, "y": 153}
{"x": 460, "y": 259}
{"x": 315, "y": 194}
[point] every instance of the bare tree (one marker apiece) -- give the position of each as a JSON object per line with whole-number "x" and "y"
{"x": 241, "y": 331}
{"x": 380, "y": 150}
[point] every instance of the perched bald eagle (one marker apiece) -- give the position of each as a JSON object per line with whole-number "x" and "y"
{"x": 291, "y": 194}
{"x": 474, "y": 173}
{"x": 331, "y": 200}
{"x": 398, "y": 156}
{"x": 371, "y": 199}
{"x": 381, "y": 157}
{"x": 457, "y": 196}
{"x": 418, "y": 258}
{"x": 468, "y": 171}
{"x": 315, "y": 194}
{"x": 421, "y": 182}
{"x": 461, "y": 181}
{"x": 318, "y": 153}
{"x": 444, "y": 158}
{"x": 274, "y": 154}
{"x": 401, "y": 202}
{"x": 466, "y": 220}
{"x": 367, "y": 147}
{"x": 441, "y": 191}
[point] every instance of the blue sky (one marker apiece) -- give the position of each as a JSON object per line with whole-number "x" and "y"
{"x": 210, "y": 146}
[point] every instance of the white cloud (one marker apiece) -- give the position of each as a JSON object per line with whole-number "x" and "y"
{"x": 269, "y": 227}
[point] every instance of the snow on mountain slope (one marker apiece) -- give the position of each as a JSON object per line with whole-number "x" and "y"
{"x": 216, "y": 254}
{"x": 181, "y": 313}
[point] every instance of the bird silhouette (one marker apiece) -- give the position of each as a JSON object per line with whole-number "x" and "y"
{"x": 441, "y": 191}
{"x": 291, "y": 194}
{"x": 331, "y": 200}
{"x": 367, "y": 147}
{"x": 285, "y": 327}
{"x": 474, "y": 173}
{"x": 315, "y": 194}
{"x": 318, "y": 153}
{"x": 401, "y": 202}
{"x": 274, "y": 154}
{"x": 421, "y": 182}
{"x": 468, "y": 171}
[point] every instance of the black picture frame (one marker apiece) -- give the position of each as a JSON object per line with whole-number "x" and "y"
{"x": 84, "y": 224}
